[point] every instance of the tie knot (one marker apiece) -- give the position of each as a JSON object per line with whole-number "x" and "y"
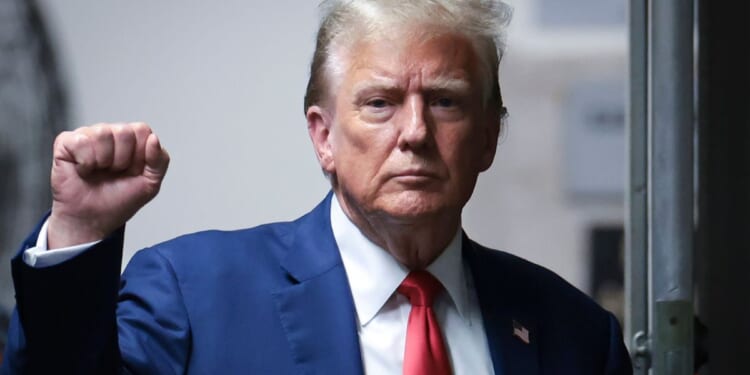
{"x": 420, "y": 287}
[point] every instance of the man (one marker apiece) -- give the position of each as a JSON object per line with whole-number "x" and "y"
{"x": 404, "y": 110}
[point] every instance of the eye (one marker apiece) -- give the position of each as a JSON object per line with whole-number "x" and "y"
{"x": 377, "y": 109}
{"x": 377, "y": 103}
{"x": 444, "y": 102}
{"x": 447, "y": 107}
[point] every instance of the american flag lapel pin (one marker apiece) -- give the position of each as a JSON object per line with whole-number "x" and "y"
{"x": 520, "y": 332}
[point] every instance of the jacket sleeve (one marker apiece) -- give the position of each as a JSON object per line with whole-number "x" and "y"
{"x": 64, "y": 320}
{"x": 70, "y": 318}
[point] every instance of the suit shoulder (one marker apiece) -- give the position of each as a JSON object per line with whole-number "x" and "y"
{"x": 538, "y": 282}
{"x": 268, "y": 240}
{"x": 574, "y": 328}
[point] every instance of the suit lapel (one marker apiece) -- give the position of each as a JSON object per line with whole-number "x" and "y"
{"x": 509, "y": 321}
{"x": 317, "y": 310}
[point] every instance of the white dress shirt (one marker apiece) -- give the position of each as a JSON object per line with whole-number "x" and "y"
{"x": 382, "y": 313}
{"x": 39, "y": 257}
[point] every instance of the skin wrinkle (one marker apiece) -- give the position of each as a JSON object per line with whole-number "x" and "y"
{"x": 381, "y": 82}
{"x": 406, "y": 141}
{"x": 340, "y": 51}
{"x": 345, "y": 23}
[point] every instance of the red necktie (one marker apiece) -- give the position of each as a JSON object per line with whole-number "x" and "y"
{"x": 425, "y": 353}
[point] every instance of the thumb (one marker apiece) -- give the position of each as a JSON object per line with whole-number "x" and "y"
{"x": 157, "y": 158}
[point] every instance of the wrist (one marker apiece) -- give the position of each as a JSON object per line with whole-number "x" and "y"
{"x": 64, "y": 231}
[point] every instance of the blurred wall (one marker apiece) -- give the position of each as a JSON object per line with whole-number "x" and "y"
{"x": 563, "y": 64}
{"x": 32, "y": 111}
{"x": 222, "y": 84}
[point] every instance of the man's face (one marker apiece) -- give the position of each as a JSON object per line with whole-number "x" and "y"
{"x": 408, "y": 133}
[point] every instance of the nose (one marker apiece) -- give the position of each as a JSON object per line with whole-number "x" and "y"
{"x": 415, "y": 132}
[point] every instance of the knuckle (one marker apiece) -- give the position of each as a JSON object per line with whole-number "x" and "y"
{"x": 141, "y": 127}
{"x": 119, "y": 127}
{"x": 85, "y": 128}
{"x": 79, "y": 139}
{"x": 62, "y": 138}
{"x": 122, "y": 133}
{"x": 101, "y": 132}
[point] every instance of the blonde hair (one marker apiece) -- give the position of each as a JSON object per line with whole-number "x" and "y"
{"x": 344, "y": 22}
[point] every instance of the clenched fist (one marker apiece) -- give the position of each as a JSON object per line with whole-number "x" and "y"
{"x": 101, "y": 176}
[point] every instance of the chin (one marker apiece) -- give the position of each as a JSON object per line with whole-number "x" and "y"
{"x": 413, "y": 205}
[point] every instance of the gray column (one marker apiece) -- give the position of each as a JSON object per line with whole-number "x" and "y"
{"x": 671, "y": 185}
{"x": 636, "y": 234}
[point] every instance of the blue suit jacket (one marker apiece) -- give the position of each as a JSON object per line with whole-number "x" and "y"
{"x": 272, "y": 300}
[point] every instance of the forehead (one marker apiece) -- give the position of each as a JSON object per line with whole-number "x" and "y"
{"x": 408, "y": 58}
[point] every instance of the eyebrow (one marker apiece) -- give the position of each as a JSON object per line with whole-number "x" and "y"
{"x": 448, "y": 84}
{"x": 382, "y": 83}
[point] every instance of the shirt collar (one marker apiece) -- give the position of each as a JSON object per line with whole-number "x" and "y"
{"x": 374, "y": 275}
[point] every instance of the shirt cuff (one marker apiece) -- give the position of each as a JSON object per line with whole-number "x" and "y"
{"x": 39, "y": 256}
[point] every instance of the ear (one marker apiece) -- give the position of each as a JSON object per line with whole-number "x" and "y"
{"x": 319, "y": 124}
{"x": 492, "y": 124}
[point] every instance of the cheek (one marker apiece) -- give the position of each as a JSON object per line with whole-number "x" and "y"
{"x": 461, "y": 148}
{"x": 361, "y": 139}
{"x": 358, "y": 153}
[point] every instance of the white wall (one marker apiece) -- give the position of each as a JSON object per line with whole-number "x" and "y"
{"x": 222, "y": 84}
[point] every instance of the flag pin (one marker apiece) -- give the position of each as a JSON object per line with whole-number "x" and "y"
{"x": 521, "y": 332}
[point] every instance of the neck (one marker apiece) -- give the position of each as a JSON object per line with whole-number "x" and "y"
{"x": 414, "y": 242}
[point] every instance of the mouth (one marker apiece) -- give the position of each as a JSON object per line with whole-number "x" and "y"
{"x": 415, "y": 176}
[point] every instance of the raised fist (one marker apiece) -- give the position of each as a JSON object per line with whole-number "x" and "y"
{"x": 101, "y": 176}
